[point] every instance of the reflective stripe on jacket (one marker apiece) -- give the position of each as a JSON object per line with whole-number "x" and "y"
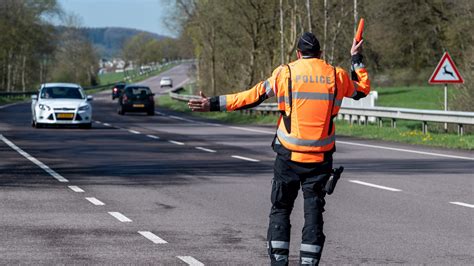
{"x": 311, "y": 131}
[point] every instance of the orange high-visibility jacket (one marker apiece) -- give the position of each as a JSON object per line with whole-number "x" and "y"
{"x": 317, "y": 89}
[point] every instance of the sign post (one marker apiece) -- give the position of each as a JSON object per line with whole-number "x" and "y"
{"x": 446, "y": 72}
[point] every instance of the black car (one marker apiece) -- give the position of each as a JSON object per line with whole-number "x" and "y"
{"x": 118, "y": 89}
{"x": 136, "y": 98}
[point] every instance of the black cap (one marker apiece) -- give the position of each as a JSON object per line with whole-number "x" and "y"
{"x": 308, "y": 44}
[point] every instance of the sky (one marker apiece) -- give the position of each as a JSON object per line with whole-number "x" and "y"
{"x": 145, "y": 15}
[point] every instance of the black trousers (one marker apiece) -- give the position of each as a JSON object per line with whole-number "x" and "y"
{"x": 289, "y": 176}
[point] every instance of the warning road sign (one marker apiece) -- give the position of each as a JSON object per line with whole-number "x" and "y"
{"x": 446, "y": 72}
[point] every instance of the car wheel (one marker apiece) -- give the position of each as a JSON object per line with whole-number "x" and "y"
{"x": 151, "y": 112}
{"x": 33, "y": 123}
{"x": 38, "y": 125}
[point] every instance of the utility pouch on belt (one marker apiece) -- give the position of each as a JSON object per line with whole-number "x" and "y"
{"x": 331, "y": 184}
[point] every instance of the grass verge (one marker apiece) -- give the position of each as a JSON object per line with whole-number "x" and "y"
{"x": 7, "y": 100}
{"x": 406, "y": 131}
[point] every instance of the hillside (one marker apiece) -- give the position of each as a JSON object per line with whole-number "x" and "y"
{"x": 109, "y": 40}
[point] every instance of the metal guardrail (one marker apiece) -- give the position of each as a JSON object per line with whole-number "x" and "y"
{"x": 361, "y": 115}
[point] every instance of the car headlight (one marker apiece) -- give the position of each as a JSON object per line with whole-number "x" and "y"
{"x": 44, "y": 107}
{"x": 84, "y": 108}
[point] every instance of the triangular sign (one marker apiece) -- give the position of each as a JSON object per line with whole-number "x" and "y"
{"x": 446, "y": 72}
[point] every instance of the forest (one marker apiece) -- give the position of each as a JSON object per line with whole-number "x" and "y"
{"x": 238, "y": 43}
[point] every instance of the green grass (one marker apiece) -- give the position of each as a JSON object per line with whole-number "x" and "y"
{"x": 418, "y": 97}
{"x": 8, "y": 100}
{"x": 405, "y": 135}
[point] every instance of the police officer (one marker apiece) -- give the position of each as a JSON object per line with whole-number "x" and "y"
{"x": 309, "y": 93}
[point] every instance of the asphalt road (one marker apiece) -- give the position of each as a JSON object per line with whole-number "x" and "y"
{"x": 175, "y": 190}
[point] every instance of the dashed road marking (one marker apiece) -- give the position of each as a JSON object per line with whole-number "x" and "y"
{"x": 462, "y": 204}
{"x": 95, "y": 201}
{"x": 106, "y": 124}
{"x": 97, "y": 122}
{"x": 160, "y": 113}
{"x": 182, "y": 119}
{"x": 46, "y": 168}
{"x": 190, "y": 260}
{"x": 76, "y": 189}
{"x": 204, "y": 149}
{"x": 152, "y": 237}
{"x": 153, "y": 136}
{"x": 133, "y": 131}
{"x": 122, "y": 218}
{"x": 252, "y": 130}
{"x": 245, "y": 158}
{"x": 176, "y": 142}
{"x": 375, "y": 186}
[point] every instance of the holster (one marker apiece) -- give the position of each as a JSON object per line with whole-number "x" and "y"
{"x": 332, "y": 181}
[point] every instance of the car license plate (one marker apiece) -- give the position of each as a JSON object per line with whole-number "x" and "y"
{"x": 139, "y": 105}
{"x": 66, "y": 115}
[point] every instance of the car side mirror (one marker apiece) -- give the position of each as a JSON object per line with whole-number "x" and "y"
{"x": 90, "y": 98}
{"x": 34, "y": 97}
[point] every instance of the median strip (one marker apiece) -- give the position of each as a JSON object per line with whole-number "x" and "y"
{"x": 152, "y": 237}
{"x": 375, "y": 186}
{"x": 48, "y": 170}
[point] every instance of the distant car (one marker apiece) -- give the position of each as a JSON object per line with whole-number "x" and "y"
{"x": 166, "y": 82}
{"x": 118, "y": 89}
{"x": 136, "y": 98}
{"x": 61, "y": 104}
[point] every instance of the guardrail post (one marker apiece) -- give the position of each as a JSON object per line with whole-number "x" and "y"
{"x": 425, "y": 127}
{"x": 350, "y": 120}
{"x": 394, "y": 123}
{"x": 366, "y": 120}
{"x": 460, "y": 129}
{"x": 359, "y": 120}
{"x": 380, "y": 121}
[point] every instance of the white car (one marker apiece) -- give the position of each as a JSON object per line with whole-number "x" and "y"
{"x": 63, "y": 104}
{"x": 166, "y": 82}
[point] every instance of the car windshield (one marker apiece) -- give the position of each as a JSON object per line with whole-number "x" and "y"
{"x": 136, "y": 91}
{"x": 61, "y": 93}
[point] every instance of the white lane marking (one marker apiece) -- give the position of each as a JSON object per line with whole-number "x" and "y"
{"x": 107, "y": 124}
{"x": 153, "y": 137}
{"x": 95, "y": 201}
{"x": 11, "y": 104}
{"x": 462, "y": 204}
{"x": 175, "y": 142}
{"x": 344, "y": 142}
{"x": 48, "y": 170}
{"x": 97, "y": 122}
{"x": 183, "y": 119}
{"x": 160, "y": 113}
{"x": 204, "y": 149}
{"x": 120, "y": 217}
{"x": 245, "y": 158}
{"x": 374, "y": 185}
{"x": 76, "y": 189}
{"x": 152, "y": 237}
{"x": 253, "y": 130}
{"x": 133, "y": 131}
{"x": 404, "y": 150}
{"x": 190, "y": 260}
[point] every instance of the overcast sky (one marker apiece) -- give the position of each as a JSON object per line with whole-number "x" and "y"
{"x": 138, "y": 14}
